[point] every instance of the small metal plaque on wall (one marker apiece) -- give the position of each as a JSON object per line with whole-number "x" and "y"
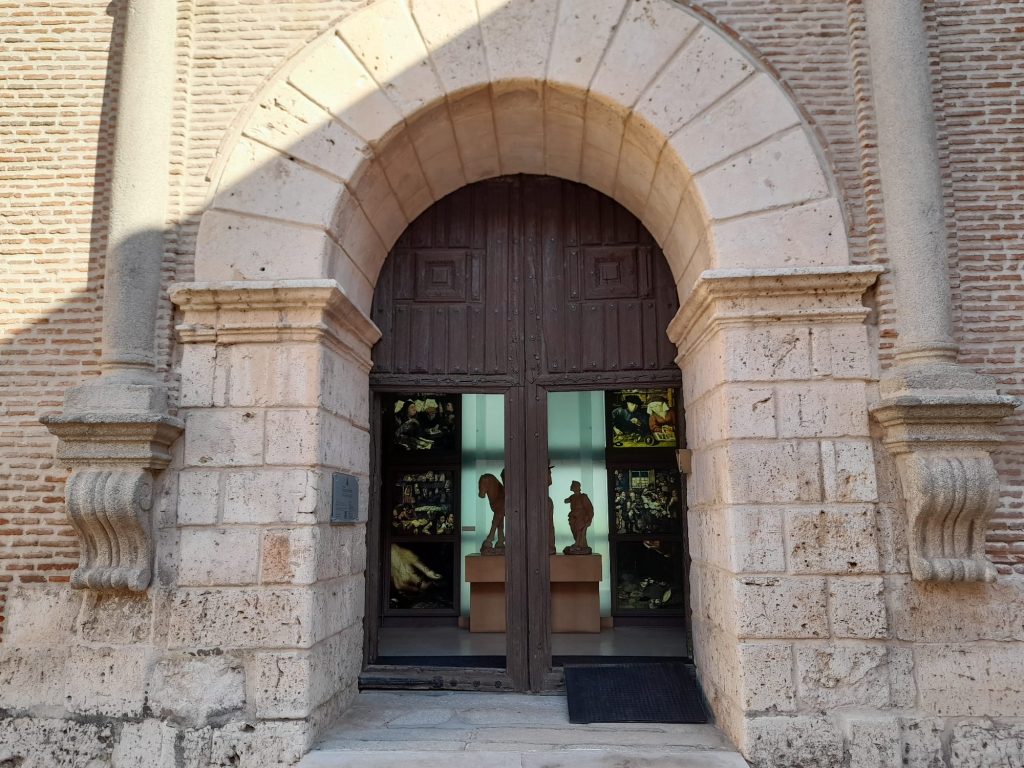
{"x": 344, "y": 498}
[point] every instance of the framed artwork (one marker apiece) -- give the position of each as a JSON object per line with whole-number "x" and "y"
{"x": 649, "y": 576}
{"x": 642, "y": 418}
{"x": 422, "y": 422}
{"x": 424, "y": 504}
{"x": 422, "y": 576}
{"x": 645, "y": 501}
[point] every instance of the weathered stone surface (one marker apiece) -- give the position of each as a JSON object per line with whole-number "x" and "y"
{"x": 780, "y": 606}
{"x": 984, "y": 743}
{"x": 793, "y": 742}
{"x": 922, "y": 743}
{"x": 194, "y": 688}
{"x": 839, "y": 539}
{"x": 970, "y": 679}
{"x": 240, "y": 618}
{"x": 940, "y": 613}
{"x": 116, "y": 619}
{"x": 216, "y": 556}
{"x": 259, "y": 744}
{"x": 834, "y": 676}
{"x": 270, "y": 495}
{"x": 53, "y": 743}
{"x": 857, "y": 607}
{"x": 107, "y": 681}
{"x": 40, "y": 615}
{"x": 848, "y": 470}
{"x": 873, "y": 742}
{"x": 294, "y": 684}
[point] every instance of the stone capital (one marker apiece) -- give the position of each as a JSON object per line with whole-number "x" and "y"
{"x": 115, "y": 435}
{"x": 247, "y": 312}
{"x": 940, "y": 424}
{"x": 795, "y": 295}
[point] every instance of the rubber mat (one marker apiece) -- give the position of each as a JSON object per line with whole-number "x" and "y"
{"x": 634, "y": 693}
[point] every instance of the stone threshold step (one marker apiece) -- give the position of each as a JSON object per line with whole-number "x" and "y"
{"x": 560, "y": 758}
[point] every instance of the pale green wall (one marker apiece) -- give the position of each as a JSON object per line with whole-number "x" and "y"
{"x": 576, "y": 448}
{"x": 483, "y": 451}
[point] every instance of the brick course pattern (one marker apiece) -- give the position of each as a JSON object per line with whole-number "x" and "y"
{"x": 55, "y": 131}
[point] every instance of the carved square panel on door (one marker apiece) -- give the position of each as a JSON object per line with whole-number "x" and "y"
{"x": 611, "y": 272}
{"x": 441, "y": 276}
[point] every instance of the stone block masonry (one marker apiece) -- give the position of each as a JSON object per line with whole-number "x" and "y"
{"x": 815, "y": 646}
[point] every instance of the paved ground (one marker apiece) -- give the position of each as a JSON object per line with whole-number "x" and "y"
{"x": 481, "y": 730}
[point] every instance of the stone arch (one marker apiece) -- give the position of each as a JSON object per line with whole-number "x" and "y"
{"x": 404, "y": 101}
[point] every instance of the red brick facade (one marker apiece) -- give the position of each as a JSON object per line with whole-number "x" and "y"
{"x": 55, "y": 130}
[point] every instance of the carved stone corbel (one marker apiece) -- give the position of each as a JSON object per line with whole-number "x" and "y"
{"x": 109, "y": 496}
{"x": 942, "y": 442}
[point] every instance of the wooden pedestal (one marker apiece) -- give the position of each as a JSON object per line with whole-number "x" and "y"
{"x": 486, "y": 577}
{"x": 575, "y": 604}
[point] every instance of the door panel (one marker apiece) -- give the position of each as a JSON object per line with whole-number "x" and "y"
{"x": 524, "y": 285}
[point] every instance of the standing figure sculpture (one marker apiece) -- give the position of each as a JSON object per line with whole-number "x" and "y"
{"x": 551, "y": 518}
{"x": 581, "y": 515}
{"x": 491, "y": 487}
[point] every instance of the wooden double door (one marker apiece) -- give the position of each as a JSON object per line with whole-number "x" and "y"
{"x": 519, "y": 286}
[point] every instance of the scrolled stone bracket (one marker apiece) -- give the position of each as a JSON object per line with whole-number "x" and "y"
{"x": 941, "y": 442}
{"x": 114, "y": 458}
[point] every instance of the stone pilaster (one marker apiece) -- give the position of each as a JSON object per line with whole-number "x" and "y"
{"x": 275, "y": 398}
{"x": 939, "y": 418}
{"x": 782, "y": 494}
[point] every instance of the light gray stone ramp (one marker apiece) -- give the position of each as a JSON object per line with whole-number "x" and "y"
{"x": 470, "y": 730}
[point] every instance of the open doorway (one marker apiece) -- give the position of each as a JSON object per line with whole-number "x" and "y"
{"x": 524, "y": 388}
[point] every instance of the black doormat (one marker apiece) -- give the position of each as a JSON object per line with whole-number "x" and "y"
{"x": 634, "y": 693}
{"x": 476, "y": 662}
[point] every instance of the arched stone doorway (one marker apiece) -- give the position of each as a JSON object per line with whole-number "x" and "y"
{"x": 648, "y": 102}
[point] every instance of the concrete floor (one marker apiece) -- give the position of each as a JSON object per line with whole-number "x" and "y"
{"x": 387, "y": 729}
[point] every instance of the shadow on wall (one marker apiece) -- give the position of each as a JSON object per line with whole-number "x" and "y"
{"x": 343, "y": 175}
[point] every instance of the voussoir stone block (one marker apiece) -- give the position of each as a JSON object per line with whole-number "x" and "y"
{"x": 332, "y": 76}
{"x": 517, "y": 35}
{"x": 791, "y": 172}
{"x": 648, "y": 36}
{"x": 753, "y": 112}
{"x": 389, "y": 46}
{"x": 583, "y": 30}
{"x": 239, "y": 247}
{"x": 287, "y": 120}
{"x": 677, "y": 96}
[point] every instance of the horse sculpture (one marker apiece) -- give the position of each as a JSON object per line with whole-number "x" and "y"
{"x": 491, "y": 487}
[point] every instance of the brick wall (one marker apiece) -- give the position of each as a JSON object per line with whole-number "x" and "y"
{"x": 55, "y": 119}
{"x": 54, "y": 162}
{"x": 980, "y": 66}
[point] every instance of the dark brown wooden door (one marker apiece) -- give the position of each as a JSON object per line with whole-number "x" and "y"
{"x": 522, "y": 285}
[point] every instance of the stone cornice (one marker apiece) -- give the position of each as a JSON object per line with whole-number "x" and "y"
{"x": 248, "y": 312}
{"x": 791, "y": 295}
